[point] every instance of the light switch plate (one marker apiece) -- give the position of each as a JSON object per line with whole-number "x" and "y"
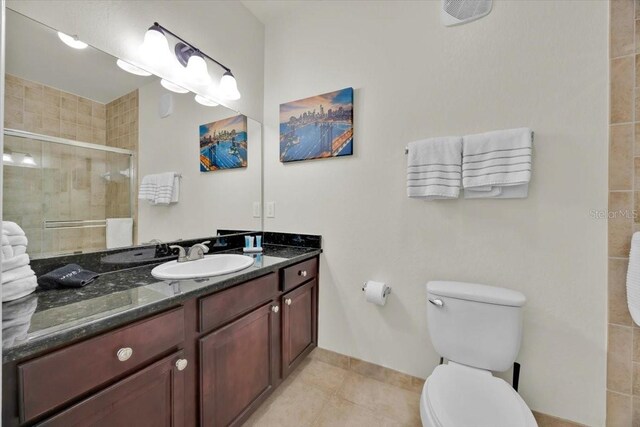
{"x": 256, "y": 210}
{"x": 271, "y": 209}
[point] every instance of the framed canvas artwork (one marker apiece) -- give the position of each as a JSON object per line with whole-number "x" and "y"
{"x": 223, "y": 144}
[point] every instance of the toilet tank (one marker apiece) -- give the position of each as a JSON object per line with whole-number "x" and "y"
{"x": 476, "y": 325}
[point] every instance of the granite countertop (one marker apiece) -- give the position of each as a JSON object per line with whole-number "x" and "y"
{"x": 48, "y": 319}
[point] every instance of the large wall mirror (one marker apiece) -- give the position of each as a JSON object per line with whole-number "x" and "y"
{"x": 81, "y": 134}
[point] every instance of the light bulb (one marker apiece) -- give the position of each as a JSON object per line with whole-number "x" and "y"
{"x": 130, "y": 68}
{"x": 172, "y": 86}
{"x": 28, "y": 160}
{"x": 7, "y": 158}
{"x": 155, "y": 47}
{"x": 72, "y": 41}
{"x": 197, "y": 69}
{"x": 206, "y": 101}
{"x": 229, "y": 87}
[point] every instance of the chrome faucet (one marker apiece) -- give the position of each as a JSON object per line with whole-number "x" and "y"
{"x": 197, "y": 251}
{"x": 194, "y": 253}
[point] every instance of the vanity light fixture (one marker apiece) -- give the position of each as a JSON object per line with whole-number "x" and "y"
{"x": 72, "y": 41}
{"x": 172, "y": 86}
{"x": 126, "y": 66}
{"x": 205, "y": 101}
{"x": 7, "y": 158}
{"x": 155, "y": 48}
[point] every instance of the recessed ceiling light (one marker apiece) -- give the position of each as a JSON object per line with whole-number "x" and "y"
{"x": 172, "y": 86}
{"x": 130, "y": 68}
{"x": 72, "y": 41}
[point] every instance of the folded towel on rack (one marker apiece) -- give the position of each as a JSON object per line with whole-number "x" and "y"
{"x": 434, "y": 168}
{"x": 12, "y": 229}
{"x": 15, "y": 262}
{"x": 160, "y": 189}
{"x": 18, "y": 288}
{"x": 497, "y": 164}
{"x": 69, "y": 276}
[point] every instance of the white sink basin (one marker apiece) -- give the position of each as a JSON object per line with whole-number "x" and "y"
{"x": 210, "y": 265}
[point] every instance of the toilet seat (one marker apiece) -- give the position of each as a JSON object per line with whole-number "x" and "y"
{"x": 460, "y": 396}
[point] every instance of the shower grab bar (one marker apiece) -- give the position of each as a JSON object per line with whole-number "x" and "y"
{"x": 80, "y": 223}
{"x": 406, "y": 149}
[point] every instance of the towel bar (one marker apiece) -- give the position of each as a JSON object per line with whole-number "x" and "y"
{"x": 406, "y": 149}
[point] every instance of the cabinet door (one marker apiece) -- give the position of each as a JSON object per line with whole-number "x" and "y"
{"x": 299, "y": 325}
{"x": 236, "y": 367}
{"x": 152, "y": 397}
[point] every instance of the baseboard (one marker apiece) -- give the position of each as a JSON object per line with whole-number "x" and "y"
{"x": 408, "y": 382}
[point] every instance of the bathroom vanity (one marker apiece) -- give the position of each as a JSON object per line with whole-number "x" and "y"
{"x": 193, "y": 352}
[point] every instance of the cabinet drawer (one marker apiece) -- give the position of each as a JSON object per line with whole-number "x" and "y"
{"x": 299, "y": 273}
{"x": 53, "y": 380}
{"x": 224, "y": 306}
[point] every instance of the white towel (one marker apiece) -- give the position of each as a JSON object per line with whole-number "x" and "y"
{"x": 119, "y": 232}
{"x": 7, "y": 249}
{"x": 15, "y": 262}
{"x": 16, "y": 319}
{"x": 160, "y": 189}
{"x": 18, "y": 288}
{"x": 18, "y": 241}
{"x": 12, "y": 229}
{"x": 497, "y": 164}
{"x": 16, "y": 274}
{"x": 633, "y": 279}
{"x": 434, "y": 167}
{"x": 19, "y": 249}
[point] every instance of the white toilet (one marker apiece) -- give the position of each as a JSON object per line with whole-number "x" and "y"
{"x": 477, "y": 328}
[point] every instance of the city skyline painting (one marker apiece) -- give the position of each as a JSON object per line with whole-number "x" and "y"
{"x": 223, "y": 144}
{"x": 317, "y": 127}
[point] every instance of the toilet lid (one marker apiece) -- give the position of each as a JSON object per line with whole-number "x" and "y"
{"x": 462, "y": 397}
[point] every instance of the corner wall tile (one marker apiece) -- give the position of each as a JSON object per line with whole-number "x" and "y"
{"x": 619, "y": 355}
{"x": 620, "y": 223}
{"x": 622, "y": 24}
{"x": 621, "y": 93}
{"x": 617, "y": 295}
{"x": 621, "y": 164}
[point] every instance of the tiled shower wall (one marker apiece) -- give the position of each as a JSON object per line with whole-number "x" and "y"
{"x": 70, "y": 184}
{"x": 623, "y": 357}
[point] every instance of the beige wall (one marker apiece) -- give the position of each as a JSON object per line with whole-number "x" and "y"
{"x": 623, "y": 359}
{"x": 529, "y": 63}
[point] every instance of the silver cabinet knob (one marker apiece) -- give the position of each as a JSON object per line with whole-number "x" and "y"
{"x": 436, "y": 302}
{"x": 302, "y": 273}
{"x": 181, "y": 364}
{"x": 275, "y": 308}
{"x": 287, "y": 301}
{"x": 124, "y": 353}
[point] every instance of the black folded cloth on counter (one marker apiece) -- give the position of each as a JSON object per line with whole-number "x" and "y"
{"x": 69, "y": 276}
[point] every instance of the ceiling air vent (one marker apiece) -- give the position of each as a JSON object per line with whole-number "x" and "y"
{"x": 455, "y": 12}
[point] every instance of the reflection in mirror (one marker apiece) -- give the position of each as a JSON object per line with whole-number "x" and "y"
{"x": 81, "y": 135}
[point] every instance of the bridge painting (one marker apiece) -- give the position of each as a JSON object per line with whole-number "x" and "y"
{"x": 317, "y": 127}
{"x": 223, "y": 144}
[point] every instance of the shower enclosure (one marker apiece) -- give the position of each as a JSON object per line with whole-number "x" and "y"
{"x": 61, "y": 191}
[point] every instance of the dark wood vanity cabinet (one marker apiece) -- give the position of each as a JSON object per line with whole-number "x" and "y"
{"x": 210, "y": 361}
{"x": 299, "y": 328}
{"x": 152, "y": 397}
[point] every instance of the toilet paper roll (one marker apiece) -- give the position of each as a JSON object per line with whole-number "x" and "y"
{"x": 376, "y": 292}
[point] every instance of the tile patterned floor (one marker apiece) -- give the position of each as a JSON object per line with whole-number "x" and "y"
{"x": 318, "y": 394}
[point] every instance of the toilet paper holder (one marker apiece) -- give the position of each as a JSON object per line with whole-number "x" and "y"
{"x": 387, "y": 291}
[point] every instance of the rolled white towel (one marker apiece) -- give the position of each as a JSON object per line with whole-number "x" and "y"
{"x": 18, "y": 240}
{"x": 16, "y": 319}
{"x": 19, "y": 249}
{"x": 18, "y": 288}
{"x": 17, "y": 274}
{"x": 14, "y": 262}
{"x": 7, "y": 249}
{"x": 12, "y": 228}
